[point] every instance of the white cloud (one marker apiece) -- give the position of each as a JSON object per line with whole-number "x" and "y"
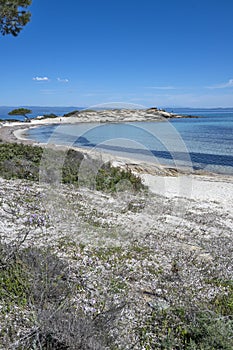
{"x": 222, "y": 86}
{"x": 40, "y": 78}
{"x": 62, "y": 80}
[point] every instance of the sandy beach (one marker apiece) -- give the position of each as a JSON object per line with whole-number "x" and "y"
{"x": 116, "y": 175}
{"x": 141, "y": 252}
{"x": 161, "y": 180}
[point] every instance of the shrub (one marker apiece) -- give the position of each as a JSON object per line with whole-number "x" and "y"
{"x": 46, "y": 287}
{"x": 109, "y": 177}
{"x": 24, "y": 161}
{"x": 187, "y": 328}
{"x": 70, "y": 114}
{"x": 49, "y": 116}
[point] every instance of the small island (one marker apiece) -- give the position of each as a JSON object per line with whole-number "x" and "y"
{"x": 120, "y": 115}
{"x": 129, "y": 247}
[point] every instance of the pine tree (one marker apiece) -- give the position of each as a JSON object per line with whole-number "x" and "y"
{"x": 13, "y": 16}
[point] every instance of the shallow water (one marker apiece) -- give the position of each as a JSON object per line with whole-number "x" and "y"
{"x": 202, "y": 143}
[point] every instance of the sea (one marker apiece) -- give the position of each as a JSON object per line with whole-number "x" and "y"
{"x": 204, "y": 143}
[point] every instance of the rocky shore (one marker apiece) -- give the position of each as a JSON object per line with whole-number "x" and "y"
{"x": 104, "y": 116}
{"x": 125, "y": 115}
{"x": 85, "y": 269}
{"x": 14, "y": 131}
{"x": 129, "y": 259}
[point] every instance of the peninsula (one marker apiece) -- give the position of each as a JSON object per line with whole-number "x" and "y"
{"x": 103, "y": 116}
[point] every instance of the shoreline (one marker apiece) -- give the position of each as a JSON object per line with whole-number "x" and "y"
{"x": 105, "y": 116}
{"x": 151, "y": 249}
{"x": 15, "y": 134}
{"x": 170, "y": 182}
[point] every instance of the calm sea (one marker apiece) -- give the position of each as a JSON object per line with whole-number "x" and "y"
{"x": 201, "y": 143}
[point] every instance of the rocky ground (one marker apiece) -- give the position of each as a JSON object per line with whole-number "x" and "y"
{"x": 132, "y": 255}
{"x": 102, "y": 116}
{"x": 125, "y": 115}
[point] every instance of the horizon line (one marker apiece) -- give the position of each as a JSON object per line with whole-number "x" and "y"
{"x": 87, "y": 107}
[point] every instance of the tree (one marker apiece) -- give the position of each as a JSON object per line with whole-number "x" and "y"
{"x": 21, "y": 111}
{"x": 13, "y": 16}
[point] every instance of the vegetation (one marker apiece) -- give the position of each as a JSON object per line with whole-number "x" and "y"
{"x": 24, "y": 162}
{"x": 20, "y": 161}
{"x": 49, "y": 116}
{"x": 88, "y": 111}
{"x": 9, "y": 120}
{"x": 13, "y": 16}
{"x": 70, "y": 114}
{"x": 113, "y": 179}
{"x": 61, "y": 291}
{"x": 21, "y": 111}
{"x": 188, "y": 328}
{"x": 37, "y": 280}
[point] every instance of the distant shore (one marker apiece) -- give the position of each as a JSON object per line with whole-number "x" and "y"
{"x": 161, "y": 179}
{"x": 15, "y": 132}
{"x": 102, "y": 116}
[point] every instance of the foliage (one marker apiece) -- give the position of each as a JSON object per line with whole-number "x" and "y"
{"x": 43, "y": 284}
{"x": 23, "y": 162}
{"x": 200, "y": 327}
{"x": 49, "y": 116}
{"x": 20, "y": 161}
{"x": 88, "y": 111}
{"x": 9, "y": 120}
{"x": 224, "y": 302}
{"x": 71, "y": 167}
{"x": 20, "y": 111}
{"x": 71, "y": 113}
{"x": 13, "y": 283}
{"x": 114, "y": 295}
{"x": 13, "y": 16}
{"x": 49, "y": 288}
{"x": 110, "y": 178}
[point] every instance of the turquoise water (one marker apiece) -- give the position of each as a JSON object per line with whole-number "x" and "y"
{"x": 201, "y": 143}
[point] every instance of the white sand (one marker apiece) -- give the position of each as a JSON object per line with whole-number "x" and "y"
{"x": 218, "y": 189}
{"x": 19, "y": 134}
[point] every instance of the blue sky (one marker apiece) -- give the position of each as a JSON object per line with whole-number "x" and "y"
{"x": 173, "y": 53}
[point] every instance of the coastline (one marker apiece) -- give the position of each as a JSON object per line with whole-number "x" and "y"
{"x": 160, "y": 179}
{"x": 13, "y": 131}
{"x": 153, "y": 248}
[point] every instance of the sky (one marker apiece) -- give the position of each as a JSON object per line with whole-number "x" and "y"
{"x": 163, "y": 53}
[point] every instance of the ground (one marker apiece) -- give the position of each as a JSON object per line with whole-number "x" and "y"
{"x": 143, "y": 265}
